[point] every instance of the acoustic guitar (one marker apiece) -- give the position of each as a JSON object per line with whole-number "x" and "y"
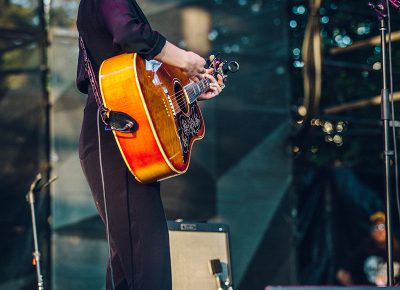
{"x": 163, "y": 102}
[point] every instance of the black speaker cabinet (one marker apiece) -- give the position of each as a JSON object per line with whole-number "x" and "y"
{"x": 193, "y": 246}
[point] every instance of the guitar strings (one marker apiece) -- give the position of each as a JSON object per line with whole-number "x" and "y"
{"x": 181, "y": 92}
{"x": 180, "y": 101}
{"x": 177, "y": 99}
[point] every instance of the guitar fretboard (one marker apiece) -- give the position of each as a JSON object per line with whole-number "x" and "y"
{"x": 194, "y": 90}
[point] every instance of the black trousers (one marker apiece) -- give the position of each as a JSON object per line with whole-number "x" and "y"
{"x": 136, "y": 219}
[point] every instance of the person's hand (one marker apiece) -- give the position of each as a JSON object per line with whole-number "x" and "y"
{"x": 194, "y": 66}
{"x": 215, "y": 86}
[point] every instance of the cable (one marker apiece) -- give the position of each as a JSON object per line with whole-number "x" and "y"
{"x": 104, "y": 199}
{"x": 396, "y": 170}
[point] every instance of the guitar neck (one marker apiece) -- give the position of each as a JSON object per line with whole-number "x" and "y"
{"x": 195, "y": 89}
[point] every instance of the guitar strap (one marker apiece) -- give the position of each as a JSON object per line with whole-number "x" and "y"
{"x": 113, "y": 120}
{"x": 93, "y": 83}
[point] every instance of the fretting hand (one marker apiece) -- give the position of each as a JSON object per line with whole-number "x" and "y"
{"x": 215, "y": 86}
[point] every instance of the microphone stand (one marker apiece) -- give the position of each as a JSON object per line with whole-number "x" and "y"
{"x": 30, "y": 198}
{"x": 36, "y": 254}
{"x": 380, "y": 9}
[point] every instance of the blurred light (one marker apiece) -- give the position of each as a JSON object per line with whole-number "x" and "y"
{"x": 343, "y": 40}
{"x": 363, "y": 28}
{"x": 296, "y": 149}
{"x": 300, "y": 122}
{"x": 227, "y": 49}
{"x": 377, "y": 66}
{"x": 337, "y": 139}
{"x": 370, "y": 60}
{"x": 302, "y": 111}
{"x": 293, "y": 23}
{"x": 245, "y": 40}
{"x": 338, "y": 163}
{"x": 312, "y": 122}
{"x": 235, "y": 48}
{"x": 314, "y": 149}
{"x": 299, "y": 9}
{"x": 298, "y": 64}
{"x": 340, "y": 127}
{"x": 365, "y": 74}
{"x": 296, "y": 51}
{"x": 324, "y": 19}
{"x": 256, "y": 7}
{"x": 218, "y": 2}
{"x": 242, "y": 2}
{"x": 327, "y": 127}
{"x": 280, "y": 70}
{"x": 315, "y": 122}
{"x": 328, "y": 139}
{"x": 377, "y": 50}
{"x": 35, "y": 20}
{"x": 333, "y": 6}
{"x": 347, "y": 40}
{"x": 212, "y": 35}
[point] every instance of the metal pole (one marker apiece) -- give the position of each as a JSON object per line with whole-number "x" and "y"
{"x": 43, "y": 13}
{"x": 381, "y": 10}
{"x": 385, "y": 116}
{"x": 36, "y": 254}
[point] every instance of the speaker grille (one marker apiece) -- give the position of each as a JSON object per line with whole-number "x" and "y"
{"x": 191, "y": 252}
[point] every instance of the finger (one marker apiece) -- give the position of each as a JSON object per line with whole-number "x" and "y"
{"x": 211, "y": 77}
{"x": 215, "y": 86}
{"x": 195, "y": 78}
{"x": 221, "y": 81}
{"x": 209, "y": 71}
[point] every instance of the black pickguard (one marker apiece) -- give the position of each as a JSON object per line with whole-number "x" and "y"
{"x": 188, "y": 128}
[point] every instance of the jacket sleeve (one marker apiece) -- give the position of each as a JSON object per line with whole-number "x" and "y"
{"x": 128, "y": 30}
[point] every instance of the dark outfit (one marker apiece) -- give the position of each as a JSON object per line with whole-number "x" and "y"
{"x": 137, "y": 225}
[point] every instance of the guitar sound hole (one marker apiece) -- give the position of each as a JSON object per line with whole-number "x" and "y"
{"x": 180, "y": 97}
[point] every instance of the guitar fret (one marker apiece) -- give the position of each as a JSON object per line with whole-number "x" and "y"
{"x": 194, "y": 90}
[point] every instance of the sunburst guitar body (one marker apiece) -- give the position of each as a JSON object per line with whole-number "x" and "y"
{"x": 163, "y": 102}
